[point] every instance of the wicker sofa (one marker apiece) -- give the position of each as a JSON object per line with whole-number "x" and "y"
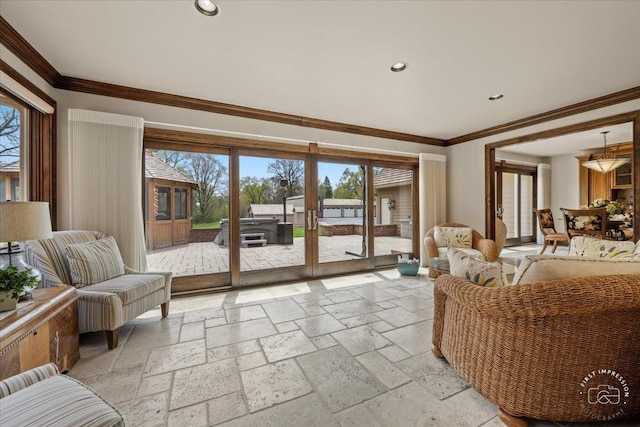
{"x": 531, "y": 348}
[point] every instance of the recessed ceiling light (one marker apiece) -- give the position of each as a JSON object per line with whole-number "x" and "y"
{"x": 206, "y": 7}
{"x": 398, "y": 66}
{"x": 496, "y": 97}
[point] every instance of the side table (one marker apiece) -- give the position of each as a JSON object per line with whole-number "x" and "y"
{"x": 438, "y": 266}
{"x": 44, "y": 331}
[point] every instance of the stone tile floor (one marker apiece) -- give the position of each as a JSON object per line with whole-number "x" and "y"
{"x": 325, "y": 354}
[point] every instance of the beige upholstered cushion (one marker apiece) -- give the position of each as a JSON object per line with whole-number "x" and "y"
{"x": 443, "y": 252}
{"x": 540, "y": 268}
{"x": 59, "y": 401}
{"x": 130, "y": 287}
{"x": 94, "y": 262}
{"x": 478, "y": 271}
{"x": 455, "y": 237}
{"x": 595, "y": 247}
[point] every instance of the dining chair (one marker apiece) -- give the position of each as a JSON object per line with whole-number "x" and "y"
{"x": 585, "y": 222}
{"x": 548, "y": 230}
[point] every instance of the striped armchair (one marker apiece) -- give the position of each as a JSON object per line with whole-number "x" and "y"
{"x": 40, "y": 397}
{"x": 106, "y": 305}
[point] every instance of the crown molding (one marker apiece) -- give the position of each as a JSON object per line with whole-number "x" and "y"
{"x": 21, "y": 48}
{"x": 559, "y": 113}
{"x": 13, "y": 41}
{"x": 143, "y": 95}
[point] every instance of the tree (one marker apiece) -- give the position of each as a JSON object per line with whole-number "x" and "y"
{"x": 351, "y": 185}
{"x": 9, "y": 134}
{"x": 175, "y": 159}
{"x": 325, "y": 190}
{"x": 292, "y": 171}
{"x": 211, "y": 176}
{"x": 253, "y": 190}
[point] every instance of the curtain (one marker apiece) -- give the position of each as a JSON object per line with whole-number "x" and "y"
{"x": 105, "y": 173}
{"x": 433, "y": 195}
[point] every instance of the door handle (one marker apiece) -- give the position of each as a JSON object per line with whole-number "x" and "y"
{"x": 309, "y": 220}
{"x": 315, "y": 220}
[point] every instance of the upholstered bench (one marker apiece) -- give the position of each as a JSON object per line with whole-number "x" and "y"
{"x": 41, "y": 397}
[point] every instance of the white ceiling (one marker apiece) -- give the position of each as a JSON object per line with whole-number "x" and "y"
{"x": 574, "y": 143}
{"x": 330, "y": 59}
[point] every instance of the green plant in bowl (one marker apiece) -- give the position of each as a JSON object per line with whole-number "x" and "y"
{"x": 14, "y": 282}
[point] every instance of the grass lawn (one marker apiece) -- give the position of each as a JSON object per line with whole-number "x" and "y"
{"x": 207, "y": 225}
{"x": 298, "y": 231}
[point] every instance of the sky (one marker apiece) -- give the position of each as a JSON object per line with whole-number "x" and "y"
{"x": 257, "y": 166}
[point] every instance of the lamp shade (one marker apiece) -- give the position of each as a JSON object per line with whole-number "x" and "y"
{"x": 606, "y": 165}
{"x": 20, "y": 221}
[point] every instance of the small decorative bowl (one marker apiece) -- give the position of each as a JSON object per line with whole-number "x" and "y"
{"x": 408, "y": 269}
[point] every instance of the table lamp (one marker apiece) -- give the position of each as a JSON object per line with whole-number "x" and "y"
{"x": 20, "y": 221}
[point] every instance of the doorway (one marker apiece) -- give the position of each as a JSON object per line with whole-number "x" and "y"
{"x": 516, "y": 195}
{"x": 277, "y": 214}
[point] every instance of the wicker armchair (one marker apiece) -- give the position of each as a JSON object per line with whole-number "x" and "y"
{"x": 485, "y": 247}
{"x": 531, "y": 348}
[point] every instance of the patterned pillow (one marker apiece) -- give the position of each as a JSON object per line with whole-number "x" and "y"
{"x": 483, "y": 273}
{"x": 94, "y": 262}
{"x": 594, "y": 247}
{"x": 584, "y": 222}
{"x": 454, "y": 237}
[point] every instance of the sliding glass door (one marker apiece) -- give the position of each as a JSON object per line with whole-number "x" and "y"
{"x": 234, "y": 217}
{"x": 186, "y": 200}
{"x": 340, "y": 217}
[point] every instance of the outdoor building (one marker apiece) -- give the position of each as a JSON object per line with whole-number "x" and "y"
{"x": 394, "y": 198}
{"x": 168, "y": 194}
{"x": 10, "y": 182}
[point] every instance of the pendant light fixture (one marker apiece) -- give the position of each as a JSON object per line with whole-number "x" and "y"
{"x": 605, "y": 162}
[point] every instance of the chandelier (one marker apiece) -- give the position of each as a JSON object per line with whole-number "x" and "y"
{"x": 605, "y": 162}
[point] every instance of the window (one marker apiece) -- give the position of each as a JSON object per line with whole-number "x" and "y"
{"x": 180, "y": 203}
{"x": 12, "y": 150}
{"x": 164, "y": 204}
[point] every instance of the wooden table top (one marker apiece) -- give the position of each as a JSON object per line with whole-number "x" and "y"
{"x": 46, "y": 303}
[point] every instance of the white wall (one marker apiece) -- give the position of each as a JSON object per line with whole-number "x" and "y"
{"x": 565, "y": 187}
{"x": 200, "y": 119}
{"x": 465, "y": 169}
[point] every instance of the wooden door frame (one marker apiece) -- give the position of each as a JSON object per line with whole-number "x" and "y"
{"x": 490, "y": 159}
{"x": 519, "y": 170}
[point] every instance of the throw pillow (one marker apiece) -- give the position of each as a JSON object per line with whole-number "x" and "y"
{"x": 94, "y": 262}
{"x": 454, "y": 237}
{"x": 541, "y": 268}
{"x": 480, "y": 272}
{"x": 594, "y": 247}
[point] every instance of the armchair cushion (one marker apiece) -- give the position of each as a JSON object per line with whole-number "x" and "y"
{"x": 455, "y": 237}
{"x": 601, "y": 248}
{"x": 539, "y": 268}
{"x": 443, "y": 252}
{"x": 94, "y": 262}
{"x": 478, "y": 271}
{"x": 130, "y": 287}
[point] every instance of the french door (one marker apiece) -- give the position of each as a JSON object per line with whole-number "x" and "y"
{"x": 516, "y": 194}
{"x": 258, "y": 216}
